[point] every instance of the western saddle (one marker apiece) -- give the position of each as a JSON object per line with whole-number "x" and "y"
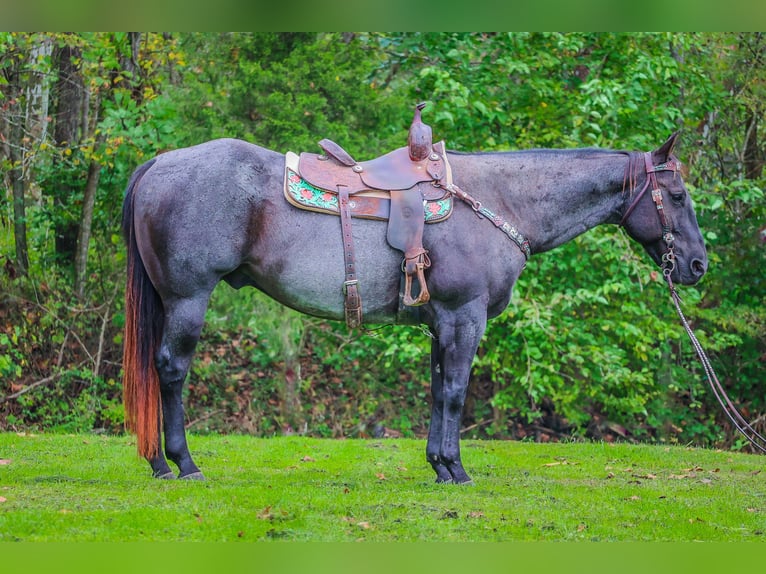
{"x": 407, "y": 187}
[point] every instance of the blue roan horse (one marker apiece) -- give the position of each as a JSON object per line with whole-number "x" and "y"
{"x": 195, "y": 216}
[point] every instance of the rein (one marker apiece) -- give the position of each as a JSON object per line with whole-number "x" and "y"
{"x": 668, "y": 265}
{"x": 723, "y": 399}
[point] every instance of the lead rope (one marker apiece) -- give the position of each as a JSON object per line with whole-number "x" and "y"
{"x": 723, "y": 399}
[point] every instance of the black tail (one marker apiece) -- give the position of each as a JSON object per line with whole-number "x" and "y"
{"x": 143, "y": 330}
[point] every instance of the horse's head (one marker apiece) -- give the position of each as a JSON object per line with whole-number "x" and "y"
{"x": 661, "y": 216}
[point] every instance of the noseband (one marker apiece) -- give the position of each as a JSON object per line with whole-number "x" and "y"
{"x": 669, "y": 257}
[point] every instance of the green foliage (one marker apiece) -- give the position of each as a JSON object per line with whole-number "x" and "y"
{"x": 287, "y": 91}
{"x": 252, "y": 349}
{"x": 59, "y": 359}
{"x": 12, "y": 359}
{"x": 589, "y": 345}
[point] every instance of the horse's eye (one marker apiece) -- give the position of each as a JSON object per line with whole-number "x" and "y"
{"x": 678, "y": 197}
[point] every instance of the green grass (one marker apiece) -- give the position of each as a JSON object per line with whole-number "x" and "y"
{"x": 94, "y": 488}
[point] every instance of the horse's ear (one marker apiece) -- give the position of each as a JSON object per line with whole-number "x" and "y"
{"x": 662, "y": 153}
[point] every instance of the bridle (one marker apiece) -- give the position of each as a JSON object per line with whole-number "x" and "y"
{"x": 668, "y": 265}
{"x": 669, "y": 257}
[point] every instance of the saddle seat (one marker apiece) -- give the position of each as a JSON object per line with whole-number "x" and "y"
{"x": 389, "y": 172}
{"x": 405, "y": 180}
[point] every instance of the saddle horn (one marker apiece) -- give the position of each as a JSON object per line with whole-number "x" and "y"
{"x": 420, "y": 137}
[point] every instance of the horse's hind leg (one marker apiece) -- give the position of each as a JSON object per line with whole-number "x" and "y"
{"x": 159, "y": 464}
{"x": 183, "y": 324}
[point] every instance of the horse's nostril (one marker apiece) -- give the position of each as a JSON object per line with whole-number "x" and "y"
{"x": 699, "y": 267}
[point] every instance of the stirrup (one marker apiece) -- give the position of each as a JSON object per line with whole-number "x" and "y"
{"x": 416, "y": 266}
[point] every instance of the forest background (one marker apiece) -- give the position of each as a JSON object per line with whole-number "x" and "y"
{"x": 589, "y": 346}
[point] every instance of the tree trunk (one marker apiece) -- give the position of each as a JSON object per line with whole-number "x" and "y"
{"x": 67, "y": 134}
{"x": 13, "y": 124}
{"x": 753, "y": 155}
{"x": 290, "y": 405}
{"x": 128, "y": 73}
{"x": 83, "y": 237}
{"x": 19, "y": 216}
{"x": 753, "y": 51}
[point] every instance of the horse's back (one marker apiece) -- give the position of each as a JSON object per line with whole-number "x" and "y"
{"x": 223, "y": 165}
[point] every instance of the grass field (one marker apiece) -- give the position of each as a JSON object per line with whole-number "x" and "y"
{"x": 94, "y": 488}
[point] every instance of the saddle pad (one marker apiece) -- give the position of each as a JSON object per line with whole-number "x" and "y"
{"x": 365, "y": 205}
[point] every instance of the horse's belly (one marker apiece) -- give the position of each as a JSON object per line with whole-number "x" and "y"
{"x": 303, "y": 267}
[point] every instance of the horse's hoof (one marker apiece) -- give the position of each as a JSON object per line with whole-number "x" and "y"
{"x": 444, "y": 481}
{"x": 167, "y": 476}
{"x": 193, "y": 476}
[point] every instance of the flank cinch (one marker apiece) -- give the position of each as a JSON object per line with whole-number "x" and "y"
{"x": 407, "y": 187}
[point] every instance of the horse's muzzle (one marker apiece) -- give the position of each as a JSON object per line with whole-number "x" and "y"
{"x": 691, "y": 274}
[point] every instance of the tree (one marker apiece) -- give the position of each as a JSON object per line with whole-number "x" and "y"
{"x": 129, "y": 69}
{"x": 24, "y": 61}
{"x": 69, "y": 129}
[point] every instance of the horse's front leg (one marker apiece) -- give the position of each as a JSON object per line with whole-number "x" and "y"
{"x": 457, "y": 339}
{"x": 435, "y": 430}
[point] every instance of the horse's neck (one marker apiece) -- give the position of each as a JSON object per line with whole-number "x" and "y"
{"x": 553, "y": 196}
{"x": 575, "y": 202}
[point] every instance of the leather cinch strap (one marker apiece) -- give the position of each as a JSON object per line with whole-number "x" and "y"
{"x": 352, "y": 299}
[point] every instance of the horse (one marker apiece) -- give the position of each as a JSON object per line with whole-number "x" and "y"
{"x": 215, "y": 212}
